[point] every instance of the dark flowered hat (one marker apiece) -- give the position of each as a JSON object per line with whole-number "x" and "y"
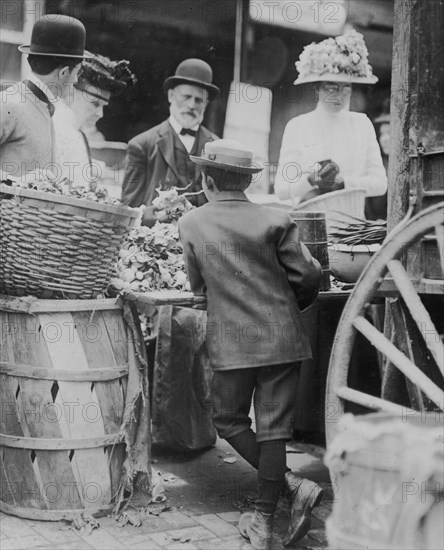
{"x": 101, "y": 77}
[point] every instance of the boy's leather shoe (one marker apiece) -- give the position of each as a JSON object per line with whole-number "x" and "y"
{"x": 303, "y": 495}
{"x": 257, "y": 528}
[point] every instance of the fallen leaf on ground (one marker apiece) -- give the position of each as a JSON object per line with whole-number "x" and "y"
{"x": 158, "y": 491}
{"x": 230, "y": 459}
{"x": 129, "y": 518}
{"x": 83, "y": 523}
{"x": 170, "y": 478}
{"x": 157, "y": 509}
{"x": 183, "y": 539}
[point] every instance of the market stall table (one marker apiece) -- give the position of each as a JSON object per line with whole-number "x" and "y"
{"x": 321, "y": 319}
{"x": 179, "y": 369}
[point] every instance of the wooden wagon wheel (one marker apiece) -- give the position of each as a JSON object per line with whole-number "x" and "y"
{"x": 386, "y": 260}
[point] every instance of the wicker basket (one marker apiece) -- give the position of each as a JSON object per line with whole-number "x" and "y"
{"x": 347, "y": 201}
{"x": 53, "y": 246}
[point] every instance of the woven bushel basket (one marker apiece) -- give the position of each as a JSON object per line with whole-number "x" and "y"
{"x": 53, "y": 246}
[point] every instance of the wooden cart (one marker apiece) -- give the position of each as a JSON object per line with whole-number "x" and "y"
{"x": 417, "y": 349}
{"x": 409, "y": 268}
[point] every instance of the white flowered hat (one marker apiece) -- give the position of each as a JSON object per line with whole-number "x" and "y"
{"x": 340, "y": 59}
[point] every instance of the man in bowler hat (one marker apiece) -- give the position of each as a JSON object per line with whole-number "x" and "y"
{"x": 159, "y": 157}
{"x": 27, "y": 140}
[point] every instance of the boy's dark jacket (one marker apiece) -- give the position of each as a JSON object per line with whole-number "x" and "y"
{"x": 257, "y": 276}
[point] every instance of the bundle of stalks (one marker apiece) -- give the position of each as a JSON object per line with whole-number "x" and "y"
{"x": 354, "y": 231}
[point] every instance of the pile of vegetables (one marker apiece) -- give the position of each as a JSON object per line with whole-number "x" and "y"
{"x": 40, "y": 180}
{"x": 170, "y": 205}
{"x": 152, "y": 258}
{"x": 357, "y": 231}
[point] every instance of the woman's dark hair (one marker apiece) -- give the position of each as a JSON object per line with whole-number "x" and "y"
{"x": 45, "y": 64}
{"x": 228, "y": 181}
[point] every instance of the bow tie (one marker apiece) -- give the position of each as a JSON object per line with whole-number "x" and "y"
{"x": 189, "y": 132}
{"x": 40, "y": 95}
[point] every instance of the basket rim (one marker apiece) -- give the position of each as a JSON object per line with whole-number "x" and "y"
{"x": 343, "y": 247}
{"x": 71, "y": 201}
{"x": 355, "y": 192}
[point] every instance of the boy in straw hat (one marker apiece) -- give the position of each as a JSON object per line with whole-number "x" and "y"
{"x": 27, "y": 132}
{"x": 331, "y": 148}
{"x": 257, "y": 276}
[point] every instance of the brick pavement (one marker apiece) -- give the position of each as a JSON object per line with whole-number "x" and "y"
{"x": 205, "y": 496}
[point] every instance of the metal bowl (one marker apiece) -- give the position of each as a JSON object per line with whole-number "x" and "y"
{"x": 348, "y": 261}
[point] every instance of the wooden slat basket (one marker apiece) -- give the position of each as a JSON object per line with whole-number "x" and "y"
{"x": 54, "y": 246}
{"x": 63, "y": 375}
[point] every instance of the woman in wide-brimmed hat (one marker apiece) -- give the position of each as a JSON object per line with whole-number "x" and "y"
{"x": 331, "y": 148}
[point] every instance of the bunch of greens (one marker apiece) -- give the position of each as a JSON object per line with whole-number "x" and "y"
{"x": 170, "y": 205}
{"x": 151, "y": 260}
{"x": 41, "y": 180}
{"x": 356, "y": 231}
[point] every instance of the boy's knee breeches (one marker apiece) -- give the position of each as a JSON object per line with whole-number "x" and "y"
{"x": 272, "y": 390}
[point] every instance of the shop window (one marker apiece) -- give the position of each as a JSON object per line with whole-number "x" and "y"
{"x": 12, "y": 15}
{"x": 17, "y": 18}
{"x": 10, "y": 62}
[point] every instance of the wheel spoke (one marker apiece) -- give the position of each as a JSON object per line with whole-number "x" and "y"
{"x": 439, "y": 230}
{"x": 371, "y": 402}
{"x": 398, "y": 359}
{"x": 418, "y": 312}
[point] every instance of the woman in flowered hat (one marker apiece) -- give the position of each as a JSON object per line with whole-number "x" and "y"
{"x": 331, "y": 148}
{"x": 99, "y": 80}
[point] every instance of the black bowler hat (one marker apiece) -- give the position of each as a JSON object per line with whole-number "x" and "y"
{"x": 195, "y": 72}
{"x": 57, "y": 35}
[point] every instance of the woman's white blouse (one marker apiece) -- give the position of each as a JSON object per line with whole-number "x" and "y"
{"x": 72, "y": 153}
{"x": 347, "y": 138}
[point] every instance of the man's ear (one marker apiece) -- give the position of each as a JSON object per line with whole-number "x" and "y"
{"x": 170, "y": 95}
{"x": 209, "y": 182}
{"x": 64, "y": 71}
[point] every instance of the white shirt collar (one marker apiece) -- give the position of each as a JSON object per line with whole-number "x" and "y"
{"x": 64, "y": 114}
{"x": 178, "y": 127}
{"x": 320, "y": 111}
{"x": 36, "y": 80}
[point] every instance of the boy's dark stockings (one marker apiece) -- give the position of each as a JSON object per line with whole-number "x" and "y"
{"x": 246, "y": 445}
{"x": 269, "y": 458}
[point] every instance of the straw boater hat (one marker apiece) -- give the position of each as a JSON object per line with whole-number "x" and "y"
{"x": 57, "y": 36}
{"x": 340, "y": 59}
{"x": 100, "y": 77}
{"x": 195, "y": 72}
{"x": 228, "y": 155}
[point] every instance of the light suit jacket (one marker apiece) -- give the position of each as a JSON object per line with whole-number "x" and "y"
{"x": 26, "y": 132}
